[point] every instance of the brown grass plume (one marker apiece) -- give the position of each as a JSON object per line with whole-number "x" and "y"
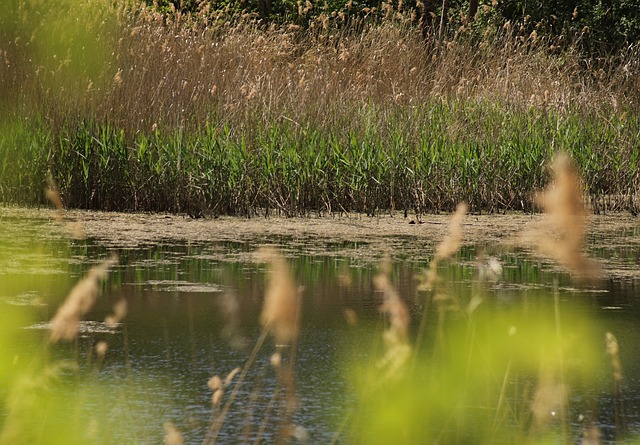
{"x": 449, "y": 245}
{"x": 280, "y": 312}
{"x": 396, "y": 336}
{"x": 560, "y": 235}
{"x": 65, "y": 324}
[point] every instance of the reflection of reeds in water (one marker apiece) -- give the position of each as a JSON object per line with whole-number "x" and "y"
{"x": 65, "y": 324}
{"x": 560, "y": 235}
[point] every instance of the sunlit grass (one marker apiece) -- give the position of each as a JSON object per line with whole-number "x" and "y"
{"x": 421, "y": 163}
{"x": 202, "y": 115}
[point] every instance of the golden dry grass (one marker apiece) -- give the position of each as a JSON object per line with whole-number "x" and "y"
{"x": 396, "y": 336}
{"x": 172, "y": 435}
{"x": 181, "y": 71}
{"x": 447, "y": 247}
{"x": 119, "y": 312}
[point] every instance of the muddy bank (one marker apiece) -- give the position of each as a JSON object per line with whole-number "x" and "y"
{"x": 607, "y": 235}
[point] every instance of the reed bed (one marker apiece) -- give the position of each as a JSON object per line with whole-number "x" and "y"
{"x": 202, "y": 114}
{"x": 490, "y": 157}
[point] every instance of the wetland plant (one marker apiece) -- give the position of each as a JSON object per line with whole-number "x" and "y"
{"x": 205, "y": 114}
{"x": 486, "y": 374}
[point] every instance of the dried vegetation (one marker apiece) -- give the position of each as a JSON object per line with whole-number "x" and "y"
{"x": 203, "y": 115}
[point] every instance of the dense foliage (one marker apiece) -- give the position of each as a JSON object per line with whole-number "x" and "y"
{"x": 606, "y": 25}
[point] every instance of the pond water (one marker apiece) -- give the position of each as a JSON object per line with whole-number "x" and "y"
{"x": 194, "y": 292}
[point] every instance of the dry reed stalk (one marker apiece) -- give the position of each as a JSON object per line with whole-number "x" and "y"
{"x": 170, "y": 72}
{"x": 396, "y": 336}
{"x": 550, "y": 399}
{"x": 53, "y": 195}
{"x": 560, "y": 235}
{"x": 215, "y": 385}
{"x": 172, "y": 436}
{"x": 230, "y": 308}
{"x": 350, "y": 316}
{"x": 613, "y": 351}
{"x": 287, "y": 380}
{"x": 281, "y": 309}
{"x": 281, "y": 316}
{"x": 218, "y": 386}
{"x": 218, "y": 421}
{"x": 591, "y": 436}
{"x": 65, "y": 323}
{"x": 76, "y": 229}
{"x": 449, "y": 245}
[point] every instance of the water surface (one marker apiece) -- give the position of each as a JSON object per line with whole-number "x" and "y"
{"x": 194, "y": 291}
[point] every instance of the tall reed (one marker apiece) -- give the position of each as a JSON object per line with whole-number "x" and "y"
{"x": 199, "y": 114}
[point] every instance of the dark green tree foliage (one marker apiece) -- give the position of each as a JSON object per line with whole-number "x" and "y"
{"x": 603, "y": 25}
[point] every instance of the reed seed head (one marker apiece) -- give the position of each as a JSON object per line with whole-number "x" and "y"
{"x": 561, "y": 234}
{"x": 550, "y": 398}
{"x": 216, "y": 397}
{"x": 451, "y": 243}
{"x": 65, "y": 324}
{"x": 101, "y": 349}
{"x": 53, "y": 195}
{"x": 280, "y": 311}
{"x": 229, "y": 378}
{"x": 276, "y": 359}
{"x": 350, "y": 317}
{"x": 396, "y": 336}
{"x": 119, "y": 312}
{"x": 613, "y": 351}
{"x": 172, "y": 436}
{"x": 214, "y": 383}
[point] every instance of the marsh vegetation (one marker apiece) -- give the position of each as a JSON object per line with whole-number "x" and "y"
{"x": 370, "y": 321}
{"x": 210, "y": 114}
